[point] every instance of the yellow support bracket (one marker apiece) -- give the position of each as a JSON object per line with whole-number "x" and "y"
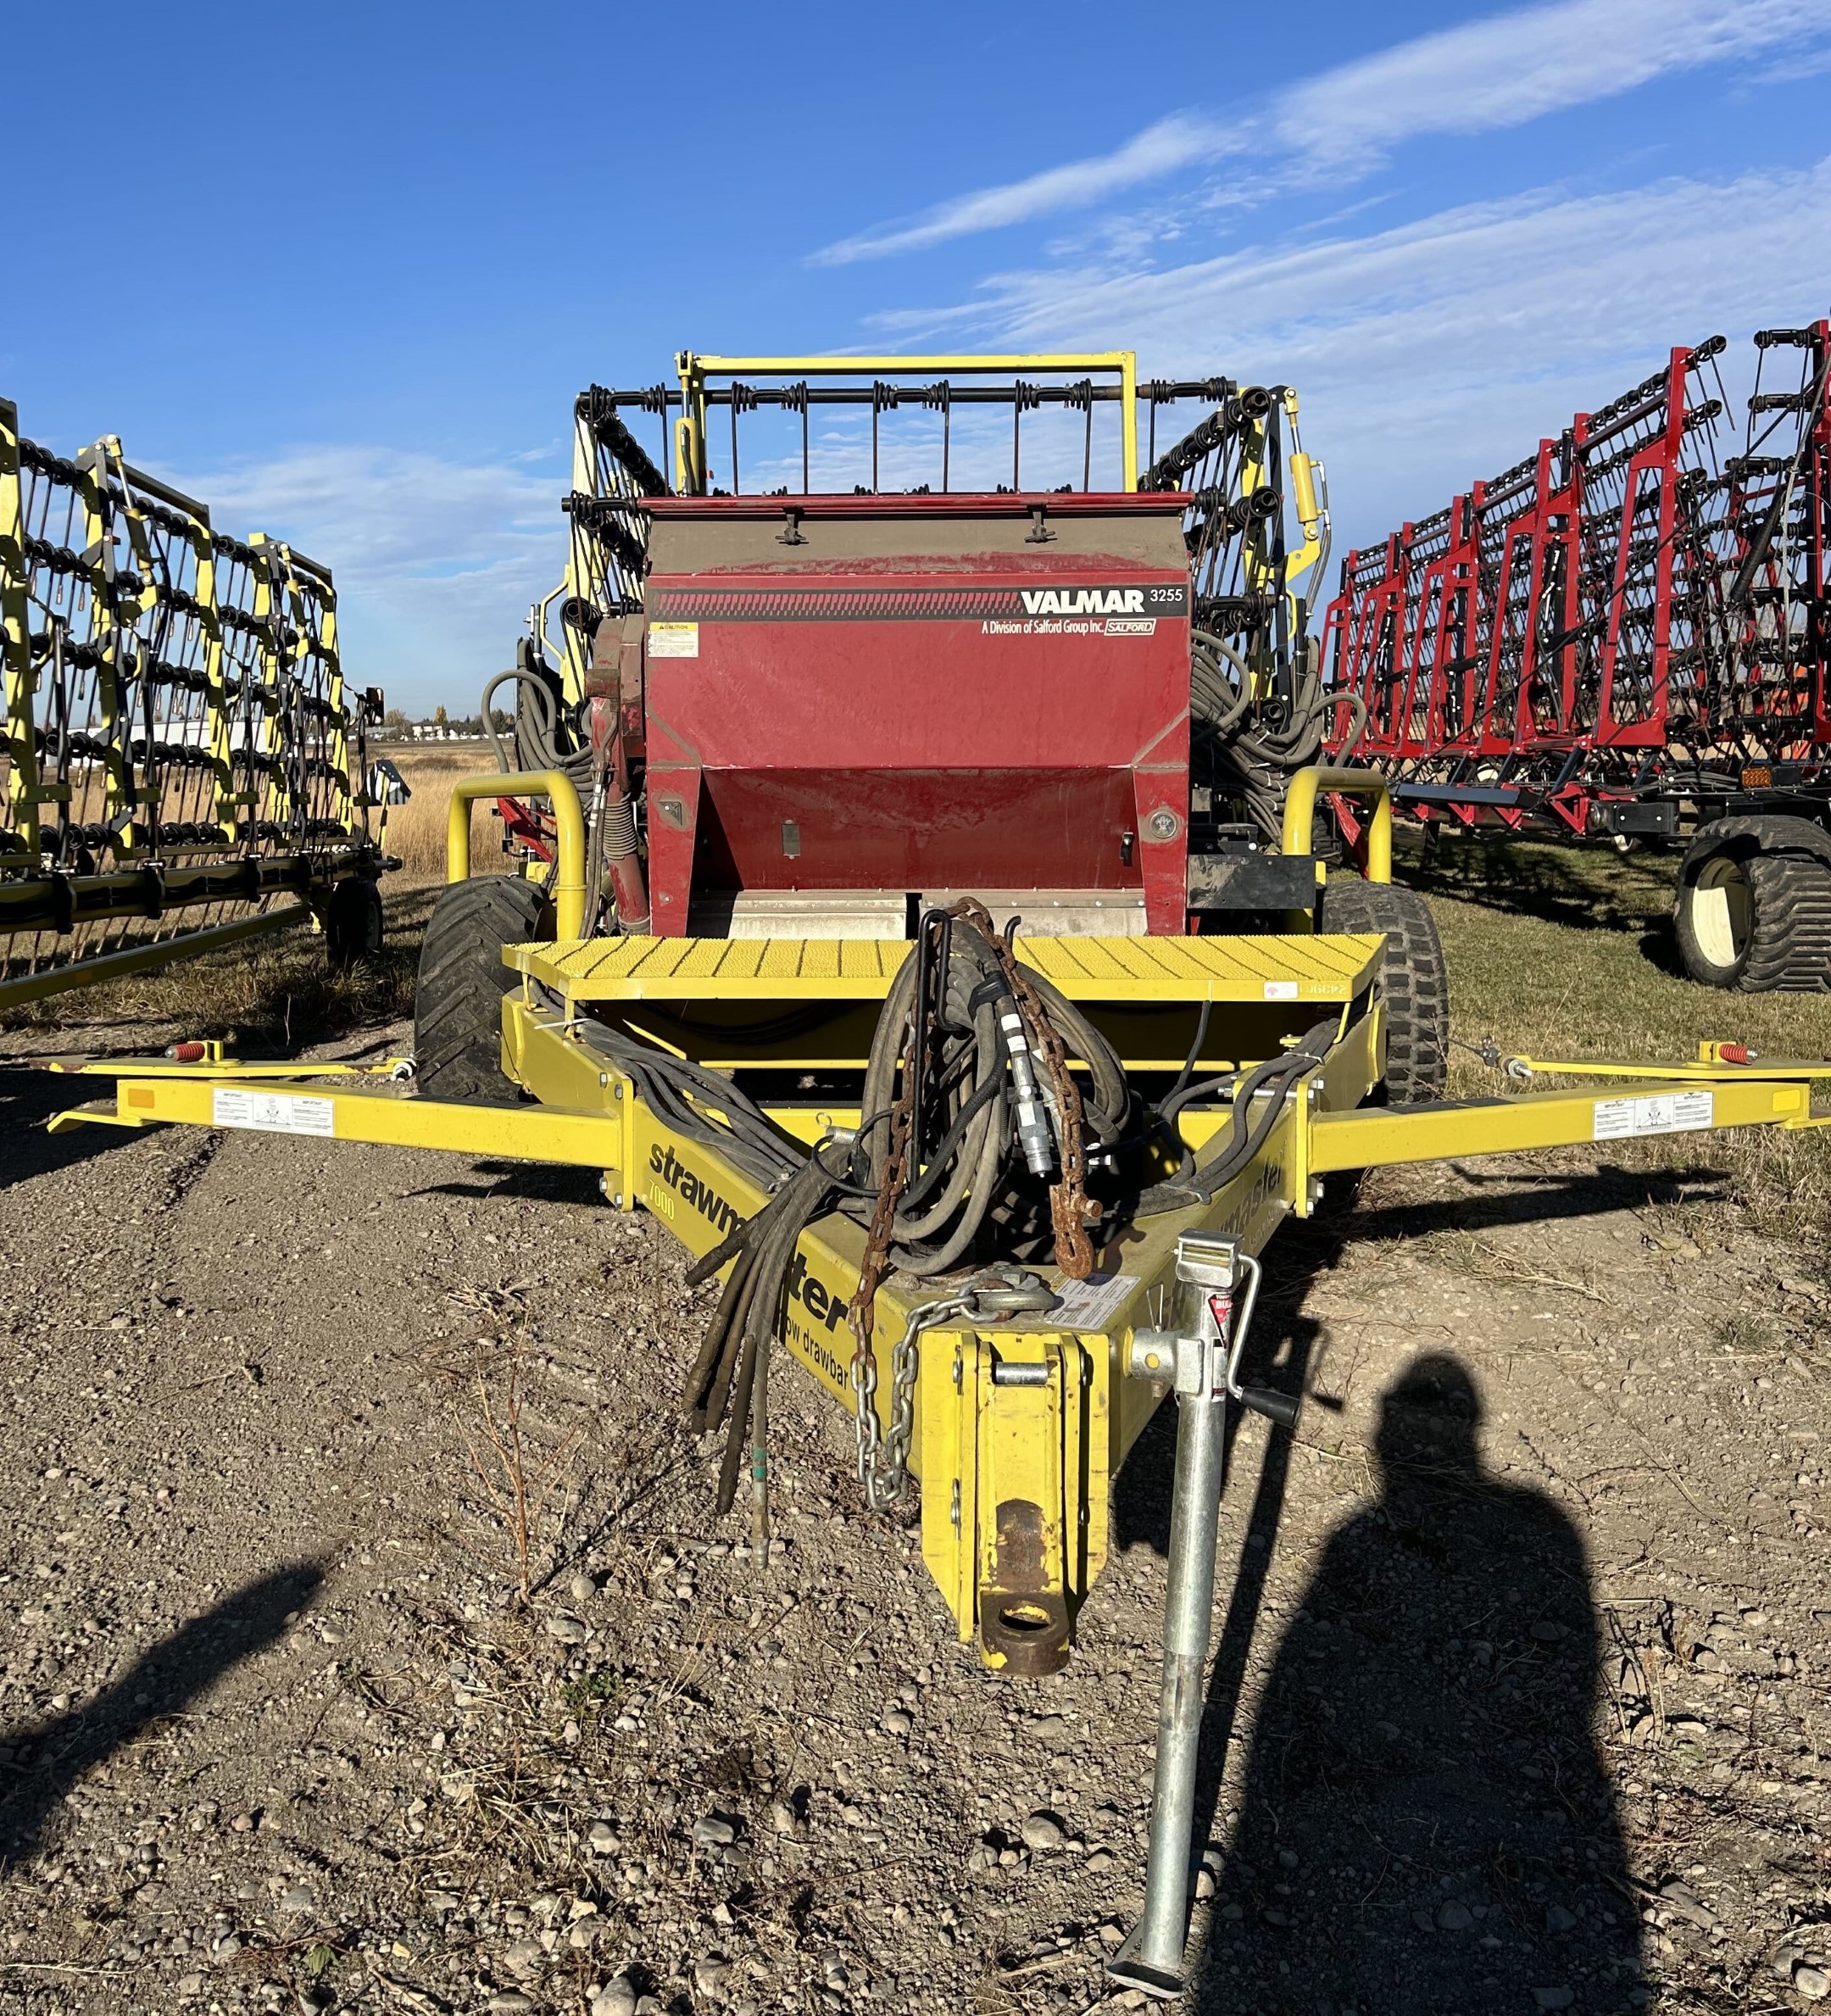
{"x": 569, "y": 821}
{"x": 1300, "y": 812}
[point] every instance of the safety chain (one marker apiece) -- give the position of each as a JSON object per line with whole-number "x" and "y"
{"x": 887, "y": 1475}
{"x": 1070, "y": 1209}
{"x": 1002, "y": 1290}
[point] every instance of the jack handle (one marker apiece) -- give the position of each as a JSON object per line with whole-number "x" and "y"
{"x": 1206, "y": 1367}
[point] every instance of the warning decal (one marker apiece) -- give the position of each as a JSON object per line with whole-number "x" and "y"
{"x": 272, "y": 1112}
{"x": 673, "y": 640}
{"x": 1658, "y": 1113}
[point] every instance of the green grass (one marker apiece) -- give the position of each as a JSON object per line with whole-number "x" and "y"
{"x": 1569, "y": 951}
{"x": 1560, "y": 951}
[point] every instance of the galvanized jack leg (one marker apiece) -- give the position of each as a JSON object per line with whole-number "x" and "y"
{"x": 1206, "y": 1369}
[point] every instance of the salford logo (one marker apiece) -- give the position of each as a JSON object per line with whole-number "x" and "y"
{"x": 1083, "y": 601}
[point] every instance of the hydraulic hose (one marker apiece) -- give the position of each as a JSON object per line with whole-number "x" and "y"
{"x": 938, "y": 1165}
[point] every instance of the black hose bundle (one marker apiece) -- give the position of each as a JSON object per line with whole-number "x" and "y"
{"x": 729, "y": 1381}
{"x": 961, "y": 1054}
{"x": 1251, "y": 764}
{"x": 1246, "y": 1131}
{"x": 962, "y": 1141}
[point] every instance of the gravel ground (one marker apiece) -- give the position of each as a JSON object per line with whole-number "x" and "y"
{"x": 1519, "y": 1703}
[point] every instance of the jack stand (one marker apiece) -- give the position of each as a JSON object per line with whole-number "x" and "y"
{"x": 1207, "y": 1366}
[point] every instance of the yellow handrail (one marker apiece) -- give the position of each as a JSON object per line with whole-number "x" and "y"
{"x": 1299, "y": 813}
{"x": 569, "y": 817}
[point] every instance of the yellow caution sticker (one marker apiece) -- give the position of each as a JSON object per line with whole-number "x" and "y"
{"x": 673, "y": 640}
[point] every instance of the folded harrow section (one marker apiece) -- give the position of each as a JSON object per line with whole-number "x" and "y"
{"x": 181, "y": 758}
{"x": 1617, "y": 630}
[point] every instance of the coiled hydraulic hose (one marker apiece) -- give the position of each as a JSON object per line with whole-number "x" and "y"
{"x": 943, "y": 1051}
{"x": 962, "y": 1158}
{"x": 537, "y": 729}
{"x": 1251, "y": 764}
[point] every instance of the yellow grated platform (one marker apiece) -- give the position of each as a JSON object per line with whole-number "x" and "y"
{"x": 1129, "y": 970}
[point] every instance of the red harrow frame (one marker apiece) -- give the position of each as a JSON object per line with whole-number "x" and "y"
{"x": 1617, "y": 638}
{"x": 1613, "y": 632}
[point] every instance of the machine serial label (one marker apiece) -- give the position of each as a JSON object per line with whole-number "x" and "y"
{"x": 1659, "y": 1113}
{"x": 1088, "y": 1305}
{"x": 273, "y": 1112}
{"x": 673, "y": 640}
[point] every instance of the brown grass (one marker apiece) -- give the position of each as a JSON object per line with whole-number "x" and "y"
{"x": 416, "y": 830}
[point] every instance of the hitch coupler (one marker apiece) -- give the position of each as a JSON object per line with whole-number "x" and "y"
{"x": 1224, "y": 1281}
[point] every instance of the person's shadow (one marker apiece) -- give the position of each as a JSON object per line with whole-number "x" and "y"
{"x": 1427, "y": 1826}
{"x": 45, "y": 1758}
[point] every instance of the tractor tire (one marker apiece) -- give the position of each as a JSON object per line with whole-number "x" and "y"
{"x": 457, "y": 1009}
{"x": 1753, "y": 908}
{"x": 1413, "y": 982}
{"x": 353, "y": 923}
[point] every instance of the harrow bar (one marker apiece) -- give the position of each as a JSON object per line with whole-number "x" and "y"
{"x": 1613, "y": 619}
{"x": 177, "y": 733}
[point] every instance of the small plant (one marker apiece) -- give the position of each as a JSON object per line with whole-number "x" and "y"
{"x": 1741, "y": 1332}
{"x": 521, "y": 1470}
{"x": 592, "y": 1692}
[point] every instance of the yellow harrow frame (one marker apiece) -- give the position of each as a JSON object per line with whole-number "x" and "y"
{"x": 985, "y": 1438}
{"x": 1021, "y": 1422}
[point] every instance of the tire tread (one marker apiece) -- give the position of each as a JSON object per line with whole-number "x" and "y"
{"x": 458, "y": 1007}
{"x": 1413, "y": 981}
{"x": 1787, "y": 864}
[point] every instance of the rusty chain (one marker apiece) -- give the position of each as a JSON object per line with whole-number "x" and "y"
{"x": 861, "y": 1313}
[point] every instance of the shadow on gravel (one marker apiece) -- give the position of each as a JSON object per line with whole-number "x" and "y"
{"x": 51, "y": 1757}
{"x": 27, "y": 1099}
{"x": 546, "y": 1183}
{"x": 1420, "y": 1621}
{"x": 1540, "y": 1199}
{"x": 1427, "y": 1824}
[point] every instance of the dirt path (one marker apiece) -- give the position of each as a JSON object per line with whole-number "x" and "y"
{"x": 1507, "y": 1641}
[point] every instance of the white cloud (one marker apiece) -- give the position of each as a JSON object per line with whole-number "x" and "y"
{"x": 1177, "y": 142}
{"x": 1483, "y": 77}
{"x": 1513, "y": 67}
{"x": 1437, "y": 352}
{"x": 434, "y": 561}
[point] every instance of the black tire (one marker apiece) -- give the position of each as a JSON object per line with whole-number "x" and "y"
{"x": 457, "y": 1009}
{"x": 1413, "y": 983}
{"x": 353, "y": 923}
{"x": 1753, "y": 908}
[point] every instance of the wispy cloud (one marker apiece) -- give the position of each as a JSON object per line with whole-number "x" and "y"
{"x": 1180, "y": 141}
{"x": 1432, "y": 353}
{"x": 1483, "y": 76}
{"x": 434, "y": 561}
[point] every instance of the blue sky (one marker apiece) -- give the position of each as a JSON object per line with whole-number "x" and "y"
{"x": 340, "y": 270}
